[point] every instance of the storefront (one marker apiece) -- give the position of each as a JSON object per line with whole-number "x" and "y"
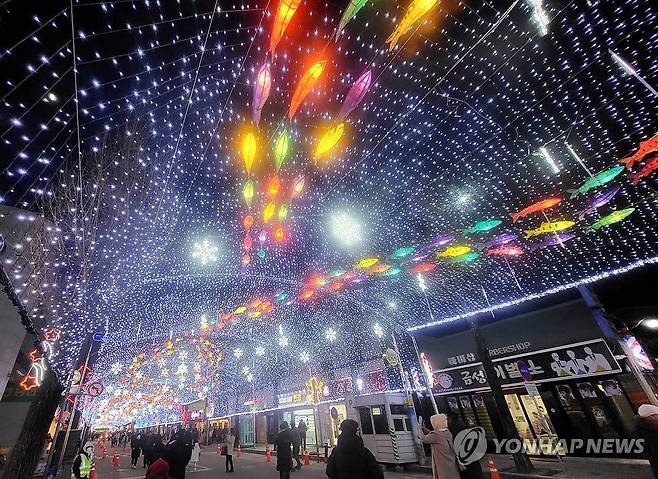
{"x": 577, "y": 388}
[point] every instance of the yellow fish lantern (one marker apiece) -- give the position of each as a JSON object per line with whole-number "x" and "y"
{"x": 416, "y": 10}
{"x": 249, "y": 151}
{"x": 305, "y": 85}
{"x": 549, "y": 227}
{"x": 268, "y": 211}
{"x": 453, "y": 251}
{"x": 367, "y": 263}
{"x": 329, "y": 140}
{"x": 248, "y": 192}
{"x": 284, "y": 13}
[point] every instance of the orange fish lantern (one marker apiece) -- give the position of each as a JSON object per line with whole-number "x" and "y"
{"x": 273, "y": 187}
{"x": 284, "y": 14}
{"x": 246, "y": 259}
{"x": 248, "y": 222}
{"x": 297, "y": 186}
{"x": 305, "y": 85}
{"x": 248, "y": 242}
{"x": 308, "y": 294}
{"x": 535, "y": 208}
{"x": 329, "y": 140}
{"x": 268, "y": 211}
{"x": 279, "y": 235}
{"x": 249, "y": 151}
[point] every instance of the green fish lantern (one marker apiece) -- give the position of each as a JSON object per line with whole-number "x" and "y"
{"x": 404, "y": 251}
{"x": 349, "y": 13}
{"x": 597, "y": 180}
{"x": 612, "y": 218}
{"x": 464, "y": 258}
{"x": 248, "y": 192}
{"x": 482, "y": 226}
{"x": 281, "y": 147}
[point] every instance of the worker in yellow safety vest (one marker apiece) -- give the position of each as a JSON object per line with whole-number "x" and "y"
{"x": 82, "y": 464}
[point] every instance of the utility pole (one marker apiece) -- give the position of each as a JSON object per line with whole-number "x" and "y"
{"x": 592, "y": 301}
{"x": 521, "y": 459}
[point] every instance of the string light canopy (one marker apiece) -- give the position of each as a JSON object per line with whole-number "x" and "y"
{"x": 124, "y": 134}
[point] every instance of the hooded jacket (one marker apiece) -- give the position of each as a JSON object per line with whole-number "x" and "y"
{"x": 350, "y": 459}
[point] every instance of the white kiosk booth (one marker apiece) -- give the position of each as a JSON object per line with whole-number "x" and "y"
{"x": 388, "y": 427}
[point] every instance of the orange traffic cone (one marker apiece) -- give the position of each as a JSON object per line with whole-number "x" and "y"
{"x": 492, "y": 468}
{"x": 239, "y": 451}
{"x": 307, "y": 458}
{"x": 116, "y": 460}
{"x": 92, "y": 471}
{"x": 268, "y": 454}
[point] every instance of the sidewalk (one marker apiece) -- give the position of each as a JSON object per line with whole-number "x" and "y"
{"x": 569, "y": 468}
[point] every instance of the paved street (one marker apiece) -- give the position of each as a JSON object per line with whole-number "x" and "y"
{"x": 248, "y": 466}
{"x": 253, "y": 466}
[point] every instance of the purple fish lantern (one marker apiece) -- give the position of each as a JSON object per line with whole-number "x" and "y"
{"x": 552, "y": 240}
{"x": 598, "y": 201}
{"x": 262, "y": 87}
{"x": 499, "y": 240}
{"x": 438, "y": 241}
{"x": 262, "y": 236}
{"x": 355, "y": 95}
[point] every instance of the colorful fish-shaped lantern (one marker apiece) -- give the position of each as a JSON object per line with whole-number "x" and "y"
{"x": 355, "y": 95}
{"x": 262, "y": 86}
{"x": 248, "y": 192}
{"x": 297, "y": 186}
{"x": 281, "y": 146}
{"x": 284, "y": 14}
{"x": 329, "y": 140}
{"x": 598, "y": 201}
{"x": 404, "y": 251}
{"x": 499, "y": 240}
{"x": 549, "y": 227}
{"x": 349, "y": 13}
{"x": 453, "y": 251}
{"x": 508, "y": 250}
{"x": 481, "y": 226}
{"x": 597, "y": 180}
{"x": 305, "y": 85}
{"x": 248, "y": 222}
{"x": 249, "y": 151}
{"x": 646, "y": 147}
{"x": 268, "y": 211}
{"x": 534, "y": 208}
{"x": 552, "y": 240}
{"x": 612, "y": 218}
{"x": 273, "y": 187}
{"x": 650, "y": 167}
{"x": 463, "y": 258}
{"x": 416, "y": 10}
{"x": 283, "y": 212}
{"x": 367, "y": 263}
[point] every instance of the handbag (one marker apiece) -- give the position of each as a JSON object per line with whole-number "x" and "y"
{"x": 224, "y": 450}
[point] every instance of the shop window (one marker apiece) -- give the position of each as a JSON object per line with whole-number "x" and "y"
{"x": 398, "y": 409}
{"x": 398, "y": 424}
{"x": 407, "y": 421}
{"x": 366, "y": 423}
{"x": 379, "y": 419}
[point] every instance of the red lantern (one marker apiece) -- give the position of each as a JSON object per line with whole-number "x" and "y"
{"x": 248, "y": 242}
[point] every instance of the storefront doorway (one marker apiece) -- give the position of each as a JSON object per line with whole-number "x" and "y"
{"x": 306, "y": 415}
{"x": 247, "y": 430}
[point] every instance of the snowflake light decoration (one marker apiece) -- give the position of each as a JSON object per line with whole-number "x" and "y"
{"x": 205, "y": 252}
{"x": 330, "y": 335}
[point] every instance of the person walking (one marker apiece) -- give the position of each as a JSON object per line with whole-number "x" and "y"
{"x": 296, "y": 442}
{"x": 350, "y": 459}
{"x": 229, "y": 442}
{"x": 147, "y": 449}
{"x": 135, "y": 449}
{"x": 283, "y": 451}
{"x": 196, "y": 454}
{"x": 647, "y": 429}
{"x": 455, "y": 426}
{"x": 444, "y": 460}
{"x": 83, "y": 462}
{"x": 302, "y": 433}
{"x": 178, "y": 455}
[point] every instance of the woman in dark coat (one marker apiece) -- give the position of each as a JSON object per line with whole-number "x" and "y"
{"x": 283, "y": 451}
{"x": 350, "y": 459}
{"x": 455, "y": 426}
{"x": 179, "y": 452}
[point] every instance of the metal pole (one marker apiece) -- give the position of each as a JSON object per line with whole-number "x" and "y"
{"x": 75, "y": 404}
{"x": 420, "y": 451}
{"x": 425, "y": 374}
